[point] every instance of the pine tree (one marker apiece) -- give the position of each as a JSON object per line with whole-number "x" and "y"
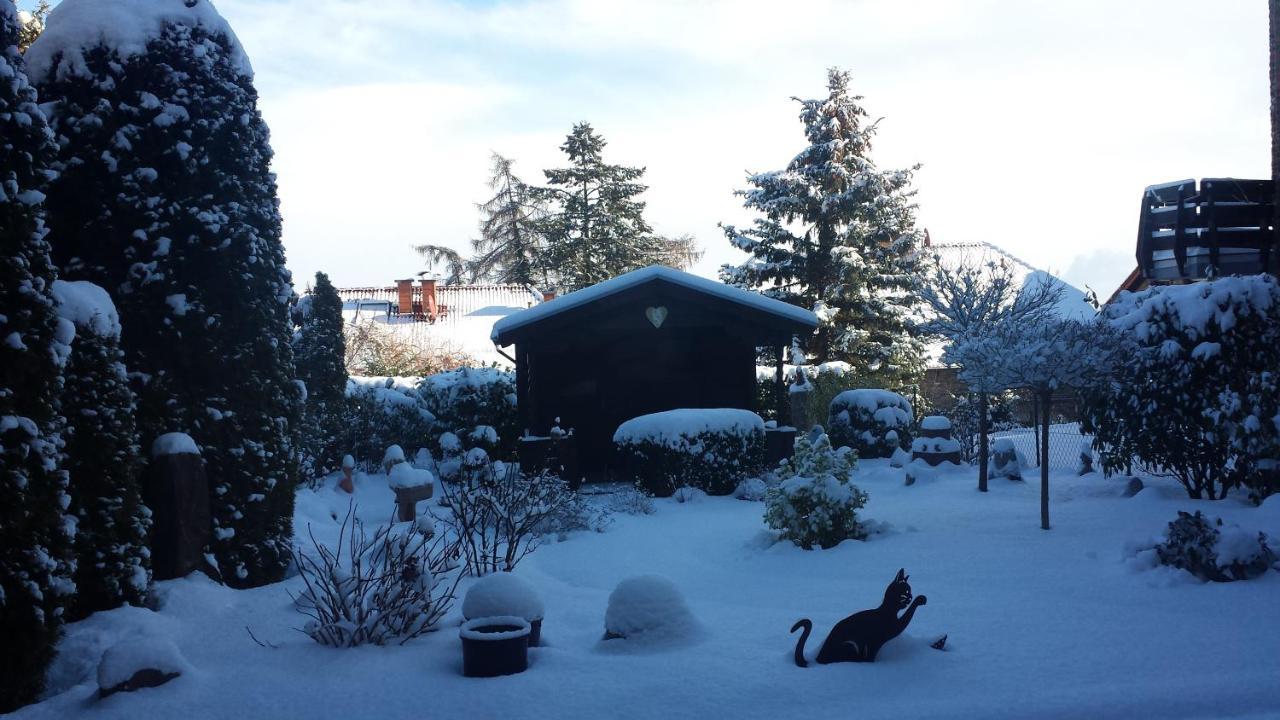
{"x": 319, "y": 350}
{"x": 102, "y": 458}
{"x": 509, "y": 249}
{"x": 35, "y": 536}
{"x": 166, "y": 199}
{"x": 838, "y": 237}
{"x": 594, "y": 228}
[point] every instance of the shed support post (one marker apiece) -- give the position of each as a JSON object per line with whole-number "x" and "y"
{"x": 522, "y": 388}
{"x": 778, "y": 401}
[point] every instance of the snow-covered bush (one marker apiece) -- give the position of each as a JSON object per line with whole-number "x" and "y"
{"x": 502, "y": 593}
{"x": 1006, "y": 460}
{"x": 374, "y": 589}
{"x": 631, "y": 500}
{"x": 648, "y": 608}
{"x": 751, "y": 489}
{"x": 499, "y": 515}
{"x": 815, "y": 504}
{"x": 318, "y": 355}
{"x": 965, "y": 424}
{"x": 466, "y": 401}
{"x": 102, "y": 457}
{"x": 873, "y": 422}
{"x": 1214, "y": 551}
{"x": 1197, "y": 394}
{"x": 382, "y": 412}
{"x": 709, "y": 449}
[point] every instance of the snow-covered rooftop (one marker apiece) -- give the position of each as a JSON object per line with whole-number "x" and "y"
{"x": 126, "y": 26}
{"x": 634, "y": 278}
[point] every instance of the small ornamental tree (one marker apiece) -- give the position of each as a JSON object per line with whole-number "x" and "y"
{"x": 165, "y": 197}
{"x": 102, "y": 458}
{"x": 1196, "y": 395}
{"x": 35, "y": 534}
{"x": 319, "y": 349}
{"x": 815, "y": 504}
{"x": 838, "y": 236}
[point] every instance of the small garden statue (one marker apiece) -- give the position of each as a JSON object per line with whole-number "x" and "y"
{"x": 348, "y": 469}
{"x": 859, "y": 637}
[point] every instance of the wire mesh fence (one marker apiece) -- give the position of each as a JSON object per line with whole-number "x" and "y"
{"x": 1065, "y": 441}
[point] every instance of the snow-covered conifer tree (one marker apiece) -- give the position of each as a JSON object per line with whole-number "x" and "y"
{"x": 319, "y": 349}
{"x": 35, "y": 534}
{"x": 594, "y": 227}
{"x": 102, "y": 457}
{"x": 838, "y": 236}
{"x": 165, "y": 198}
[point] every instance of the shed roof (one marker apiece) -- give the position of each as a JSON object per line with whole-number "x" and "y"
{"x": 752, "y": 301}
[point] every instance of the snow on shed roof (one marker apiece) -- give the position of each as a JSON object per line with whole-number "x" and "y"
{"x": 634, "y": 278}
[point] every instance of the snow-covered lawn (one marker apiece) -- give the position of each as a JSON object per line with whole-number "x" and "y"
{"x": 1041, "y": 624}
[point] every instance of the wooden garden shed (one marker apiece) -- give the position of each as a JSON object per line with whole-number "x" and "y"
{"x": 650, "y": 340}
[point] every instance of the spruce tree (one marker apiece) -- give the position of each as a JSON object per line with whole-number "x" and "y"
{"x": 594, "y": 228}
{"x": 838, "y": 237}
{"x": 35, "y": 535}
{"x": 165, "y": 198}
{"x": 102, "y": 457}
{"x": 319, "y": 350}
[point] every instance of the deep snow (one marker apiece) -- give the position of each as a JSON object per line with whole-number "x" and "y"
{"x": 1041, "y": 623}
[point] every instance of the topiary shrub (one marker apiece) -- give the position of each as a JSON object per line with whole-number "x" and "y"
{"x": 708, "y": 449}
{"x": 1212, "y": 551}
{"x": 815, "y": 504}
{"x": 476, "y": 404}
{"x": 872, "y": 422}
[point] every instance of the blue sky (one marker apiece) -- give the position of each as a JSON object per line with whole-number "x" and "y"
{"x": 1037, "y": 123}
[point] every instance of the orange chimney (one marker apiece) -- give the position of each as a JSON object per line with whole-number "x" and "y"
{"x": 404, "y": 296}
{"x": 548, "y": 295}
{"x": 429, "y": 306}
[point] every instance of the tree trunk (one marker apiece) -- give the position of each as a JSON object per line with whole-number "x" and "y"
{"x": 1273, "y": 32}
{"x": 1044, "y": 459}
{"x": 984, "y": 427}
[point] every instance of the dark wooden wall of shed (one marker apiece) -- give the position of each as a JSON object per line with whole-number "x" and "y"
{"x": 618, "y": 366}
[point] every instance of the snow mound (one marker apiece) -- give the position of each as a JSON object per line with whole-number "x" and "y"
{"x": 88, "y": 306}
{"x": 142, "y": 652}
{"x": 900, "y": 458}
{"x": 673, "y": 426}
{"x": 125, "y": 26}
{"x": 648, "y": 608}
{"x": 174, "y": 443}
{"x": 751, "y": 489}
{"x": 502, "y": 594}
{"x": 394, "y": 454}
{"x": 404, "y": 476}
{"x": 935, "y": 422}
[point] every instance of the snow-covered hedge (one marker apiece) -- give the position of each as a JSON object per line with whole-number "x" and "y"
{"x": 1197, "y": 393}
{"x": 1214, "y": 551}
{"x": 382, "y": 412}
{"x": 815, "y": 504}
{"x": 709, "y": 449}
{"x": 873, "y": 422}
{"x": 477, "y": 405}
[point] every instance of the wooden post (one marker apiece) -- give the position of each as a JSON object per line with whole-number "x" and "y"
{"x": 1273, "y": 32}
{"x": 1044, "y": 459}
{"x": 778, "y": 390}
{"x": 522, "y": 387}
{"x": 983, "y": 429}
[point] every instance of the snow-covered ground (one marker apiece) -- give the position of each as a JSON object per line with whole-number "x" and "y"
{"x": 1041, "y": 624}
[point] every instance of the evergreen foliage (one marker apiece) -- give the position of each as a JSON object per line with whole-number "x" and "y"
{"x": 1202, "y": 548}
{"x": 594, "y": 227}
{"x": 319, "y": 349}
{"x": 35, "y": 536}
{"x": 32, "y": 24}
{"x": 815, "y": 504}
{"x": 166, "y": 199}
{"x": 104, "y": 465}
{"x": 838, "y": 237}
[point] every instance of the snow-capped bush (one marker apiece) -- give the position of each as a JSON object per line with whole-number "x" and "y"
{"x": 122, "y": 661}
{"x": 872, "y": 422}
{"x": 375, "y": 588}
{"x": 751, "y": 489}
{"x": 477, "y": 405}
{"x": 1197, "y": 394}
{"x": 964, "y": 417}
{"x": 502, "y": 594}
{"x": 1006, "y": 460}
{"x": 394, "y": 455}
{"x": 815, "y": 504}
{"x": 648, "y": 608}
{"x": 631, "y": 500}
{"x": 1214, "y": 551}
{"x": 382, "y": 412}
{"x": 709, "y": 449}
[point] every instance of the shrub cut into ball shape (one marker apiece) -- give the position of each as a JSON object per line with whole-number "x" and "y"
{"x": 648, "y": 608}
{"x": 502, "y": 593}
{"x": 873, "y": 422}
{"x": 709, "y": 449}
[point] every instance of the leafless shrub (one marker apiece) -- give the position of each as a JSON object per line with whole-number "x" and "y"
{"x": 375, "y": 349}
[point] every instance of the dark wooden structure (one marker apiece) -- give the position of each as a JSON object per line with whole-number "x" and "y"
{"x": 1221, "y": 226}
{"x": 651, "y": 340}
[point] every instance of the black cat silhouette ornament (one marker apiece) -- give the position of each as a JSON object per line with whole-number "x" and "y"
{"x": 859, "y": 637}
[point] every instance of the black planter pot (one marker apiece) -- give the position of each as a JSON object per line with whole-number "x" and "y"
{"x": 535, "y": 632}
{"x": 495, "y": 646}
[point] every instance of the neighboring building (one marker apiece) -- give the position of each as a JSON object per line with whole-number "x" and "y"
{"x": 650, "y": 340}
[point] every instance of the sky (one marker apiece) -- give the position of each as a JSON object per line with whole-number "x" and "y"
{"x": 1036, "y": 123}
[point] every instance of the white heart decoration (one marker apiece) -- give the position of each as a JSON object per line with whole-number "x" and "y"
{"x": 656, "y": 315}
